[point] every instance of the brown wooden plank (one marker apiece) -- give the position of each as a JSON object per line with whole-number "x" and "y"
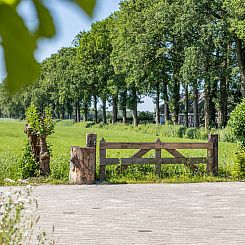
{"x": 215, "y": 140}
{"x": 158, "y": 166}
{"x": 195, "y": 160}
{"x": 102, "y": 171}
{"x": 175, "y": 153}
{"x": 140, "y": 153}
{"x": 148, "y": 145}
{"x": 212, "y": 166}
{"x": 109, "y": 161}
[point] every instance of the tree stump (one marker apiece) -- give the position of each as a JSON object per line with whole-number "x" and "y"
{"x": 44, "y": 159}
{"x": 82, "y": 165}
{"x": 34, "y": 141}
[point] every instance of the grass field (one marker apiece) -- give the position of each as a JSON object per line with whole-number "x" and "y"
{"x": 12, "y": 139}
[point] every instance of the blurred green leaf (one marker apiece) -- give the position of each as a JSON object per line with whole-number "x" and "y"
{"x": 87, "y": 5}
{"x": 10, "y": 2}
{"x": 19, "y": 44}
{"x": 19, "y": 47}
{"x": 46, "y": 25}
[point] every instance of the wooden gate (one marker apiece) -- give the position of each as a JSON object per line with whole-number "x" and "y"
{"x": 211, "y": 159}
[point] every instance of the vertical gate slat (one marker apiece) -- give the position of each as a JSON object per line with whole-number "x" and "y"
{"x": 158, "y": 155}
{"x": 102, "y": 167}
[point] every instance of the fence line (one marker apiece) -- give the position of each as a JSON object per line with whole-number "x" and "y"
{"x": 211, "y": 160}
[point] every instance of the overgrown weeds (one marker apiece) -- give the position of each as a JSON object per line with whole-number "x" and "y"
{"x": 19, "y": 218}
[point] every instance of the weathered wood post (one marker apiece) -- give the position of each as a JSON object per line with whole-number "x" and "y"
{"x": 212, "y": 166}
{"x": 102, "y": 167}
{"x": 83, "y": 162}
{"x": 158, "y": 155}
{"x": 91, "y": 141}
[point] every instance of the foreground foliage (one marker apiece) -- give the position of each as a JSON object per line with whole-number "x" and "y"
{"x": 237, "y": 122}
{"x": 239, "y": 166}
{"x": 19, "y": 218}
{"x": 21, "y": 66}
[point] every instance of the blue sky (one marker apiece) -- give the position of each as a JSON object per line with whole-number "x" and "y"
{"x": 69, "y": 22}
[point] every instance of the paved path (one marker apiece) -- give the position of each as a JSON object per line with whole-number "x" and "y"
{"x": 207, "y": 213}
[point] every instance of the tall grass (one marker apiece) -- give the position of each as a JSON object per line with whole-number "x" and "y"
{"x": 69, "y": 134}
{"x": 169, "y": 130}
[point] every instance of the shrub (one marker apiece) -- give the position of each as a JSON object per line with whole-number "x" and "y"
{"x": 60, "y": 168}
{"x": 226, "y": 135}
{"x": 37, "y": 128}
{"x": 203, "y": 134}
{"x": 181, "y": 132}
{"x": 18, "y": 217}
{"x": 146, "y": 116}
{"x": 237, "y": 122}
{"x": 239, "y": 166}
{"x": 191, "y": 133}
{"x": 28, "y": 166}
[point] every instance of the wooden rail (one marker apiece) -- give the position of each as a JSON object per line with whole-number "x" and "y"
{"x": 211, "y": 160}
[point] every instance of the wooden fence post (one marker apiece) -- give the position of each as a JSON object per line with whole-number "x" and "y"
{"x": 158, "y": 155}
{"x": 212, "y": 166}
{"x": 91, "y": 141}
{"x": 102, "y": 167}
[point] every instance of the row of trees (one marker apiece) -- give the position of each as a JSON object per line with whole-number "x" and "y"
{"x": 167, "y": 49}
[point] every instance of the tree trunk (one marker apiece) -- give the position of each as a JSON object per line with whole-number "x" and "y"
{"x": 63, "y": 112}
{"x": 82, "y": 165}
{"x": 224, "y": 81}
{"x": 57, "y": 112}
{"x": 213, "y": 97}
{"x": 195, "y": 105}
{"x": 104, "y": 110}
{"x": 114, "y": 108}
{"x": 69, "y": 109}
{"x": 206, "y": 106}
{"x": 157, "y": 103}
{"x": 34, "y": 141}
{"x": 78, "y": 116}
{"x": 75, "y": 112}
{"x": 222, "y": 112}
{"x": 95, "y": 110}
{"x": 210, "y": 91}
{"x": 44, "y": 157}
{"x": 134, "y": 105}
{"x": 166, "y": 101}
{"x": 176, "y": 98}
{"x": 241, "y": 63}
{"x": 85, "y": 111}
{"x": 186, "y": 106}
{"x": 124, "y": 105}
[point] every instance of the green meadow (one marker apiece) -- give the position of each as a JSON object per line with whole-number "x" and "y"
{"x": 67, "y": 134}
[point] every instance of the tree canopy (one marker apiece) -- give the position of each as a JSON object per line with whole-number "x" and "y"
{"x": 188, "y": 54}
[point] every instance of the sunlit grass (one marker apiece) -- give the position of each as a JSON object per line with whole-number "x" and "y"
{"x": 12, "y": 139}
